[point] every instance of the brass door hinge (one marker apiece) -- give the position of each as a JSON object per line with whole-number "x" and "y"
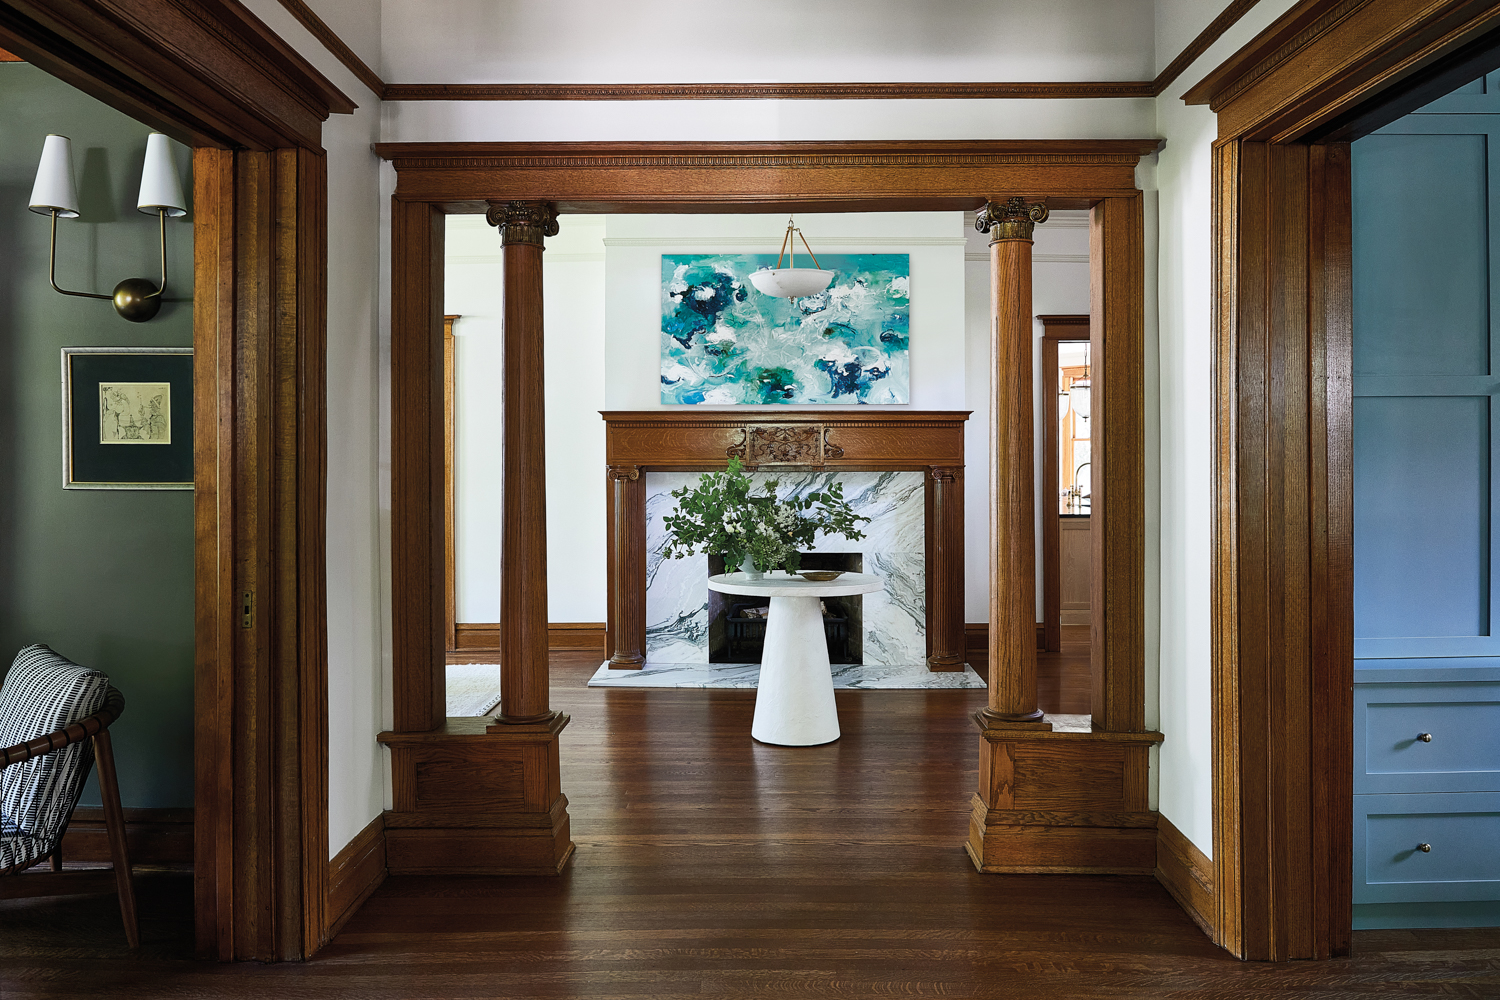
{"x": 247, "y": 606}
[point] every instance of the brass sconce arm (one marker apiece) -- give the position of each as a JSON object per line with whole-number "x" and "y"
{"x": 52, "y": 268}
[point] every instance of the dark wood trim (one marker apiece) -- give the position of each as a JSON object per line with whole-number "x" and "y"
{"x": 977, "y": 643}
{"x": 1323, "y": 58}
{"x": 1054, "y": 330}
{"x": 335, "y": 45}
{"x": 1284, "y": 595}
{"x": 418, "y": 525}
{"x": 1186, "y": 873}
{"x": 354, "y": 874}
{"x": 576, "y": 635}
{"x": 831, "y": 91}
{"x": 480, "y": 642}
{"x": 9, "y": 57}
{"x": 1227, "y": 19}
{"x": 450, "y": 521}
{"x": 765, "y": 176}
{"x": 207, "y": 72}
{"x": 154, "y": 836}
{"x": 259, "y": 510}
{"x": 1118, "y": 483}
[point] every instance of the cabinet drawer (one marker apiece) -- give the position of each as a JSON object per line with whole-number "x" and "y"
{"x": 1461, "y": 828}
{"x": 1463, "y": 721}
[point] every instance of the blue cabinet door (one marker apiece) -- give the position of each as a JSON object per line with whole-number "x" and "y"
{"x": 1426, "y": 297}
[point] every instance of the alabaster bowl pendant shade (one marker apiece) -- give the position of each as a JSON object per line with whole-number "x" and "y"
{"x": 55, "y": 189}
{"x": 161, "y": 188}
{"x": 792, "y": 282}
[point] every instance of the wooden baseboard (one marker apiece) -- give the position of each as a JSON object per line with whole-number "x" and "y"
{"x": 977, "y": 640}
{"x": 479, "y": 642}
{"x": 354, "y": 873}
{"x": 152, "y": 836}
{"x": 1186, "y": 872}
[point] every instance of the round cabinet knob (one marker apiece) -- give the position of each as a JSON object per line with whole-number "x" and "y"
{"x": 1425, "y": 848}
{"x": 1425, "y": 737}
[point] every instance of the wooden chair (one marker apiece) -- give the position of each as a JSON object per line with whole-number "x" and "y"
{"x": 42, "y": 777}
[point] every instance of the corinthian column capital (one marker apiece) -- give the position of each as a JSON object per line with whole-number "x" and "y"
{"x": 1015, "y": 220}
{"x": 522, "y": 221}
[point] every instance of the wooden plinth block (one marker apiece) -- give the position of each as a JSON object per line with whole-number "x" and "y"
{"x": 475, "y": 802}
{"x": 1063, "y": 802}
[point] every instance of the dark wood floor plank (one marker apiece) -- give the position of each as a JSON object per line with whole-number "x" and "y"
{"x": 708, "y": 864}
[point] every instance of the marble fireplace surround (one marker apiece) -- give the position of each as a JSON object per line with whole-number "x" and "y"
{"x": 792, "y": 444}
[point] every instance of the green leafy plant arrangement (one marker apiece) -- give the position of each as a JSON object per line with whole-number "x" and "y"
{"x": 723, "y": 516}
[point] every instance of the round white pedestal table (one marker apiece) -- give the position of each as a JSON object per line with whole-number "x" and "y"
{"x": 794, "y": 699}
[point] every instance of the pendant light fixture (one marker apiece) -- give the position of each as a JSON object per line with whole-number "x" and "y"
{"x": 792, "y": 282}
{"x": 56, "y": 193}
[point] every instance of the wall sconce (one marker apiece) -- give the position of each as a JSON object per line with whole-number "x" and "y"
{"x": 56, "y": 193}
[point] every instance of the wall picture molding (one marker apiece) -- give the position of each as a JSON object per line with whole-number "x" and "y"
{"x": 127, "y": 417}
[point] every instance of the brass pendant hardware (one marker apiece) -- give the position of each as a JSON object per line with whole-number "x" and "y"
{"x": 1425, "y": 848}
{"x": 1425, "y": 737}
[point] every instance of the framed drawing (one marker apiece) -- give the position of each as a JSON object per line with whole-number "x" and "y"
{"x": 127, "y": 418}
{"x": 722, "y": 341}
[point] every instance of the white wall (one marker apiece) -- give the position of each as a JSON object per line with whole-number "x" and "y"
{"x": 358, "y": 509}
{"x": 1183, "y": 181}
{"x": 1059, "y": 286}
{"x": 489, "y": 41}
{"x": 573, "y": 317}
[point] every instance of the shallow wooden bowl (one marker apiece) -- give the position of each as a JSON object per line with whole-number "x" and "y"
{"x": 821, "y": 575}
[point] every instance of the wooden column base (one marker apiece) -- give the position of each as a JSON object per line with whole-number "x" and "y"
{"x": 472, "y": 802}
{"x": 1063, "y": 803}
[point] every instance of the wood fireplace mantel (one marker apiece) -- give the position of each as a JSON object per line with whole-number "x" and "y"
{"x": 862, "y": 439}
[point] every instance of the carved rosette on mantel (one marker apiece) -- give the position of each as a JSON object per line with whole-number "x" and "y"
{"x": 870, "y": 440}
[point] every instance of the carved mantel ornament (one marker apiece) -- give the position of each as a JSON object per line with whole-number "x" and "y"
{"x": 1014, "y": 221}
{"x": 523, "y": 222}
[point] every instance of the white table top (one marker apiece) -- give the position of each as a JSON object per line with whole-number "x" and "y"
{"x": 783, "y": 585}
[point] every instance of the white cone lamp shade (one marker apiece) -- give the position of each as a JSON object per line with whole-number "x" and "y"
{"x": 55, "y": 189}
{"x": 792, "y": 282}
{"x": 161, "y": 188}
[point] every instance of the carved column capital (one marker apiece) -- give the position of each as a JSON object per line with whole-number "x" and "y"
{"x": 625, "y": 473}
{"x": 522, "y": 221}
{"x": 942, "y": 473}
{"x": 1015, "y": 220}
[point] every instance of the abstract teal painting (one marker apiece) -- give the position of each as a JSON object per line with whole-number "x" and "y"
{"x": 723, "y": 341}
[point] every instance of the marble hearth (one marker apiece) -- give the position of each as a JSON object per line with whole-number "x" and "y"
{"x": 895, "y": 620}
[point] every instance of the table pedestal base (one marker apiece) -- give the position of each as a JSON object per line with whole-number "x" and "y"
{"x": 794, "y": 702}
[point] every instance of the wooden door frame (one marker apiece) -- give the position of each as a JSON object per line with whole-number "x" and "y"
{"x": 1288, "y": 104}
{"x": 1055, "y": 330}
{"x": 212, "y": 76}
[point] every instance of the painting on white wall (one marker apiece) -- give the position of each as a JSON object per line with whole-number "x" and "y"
{"x": 725, "y": 342}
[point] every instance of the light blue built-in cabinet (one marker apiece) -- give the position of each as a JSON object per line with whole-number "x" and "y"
{"x": 1426, "y": 597}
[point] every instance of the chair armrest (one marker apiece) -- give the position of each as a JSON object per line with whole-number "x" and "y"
{"x": 114, "y": 707}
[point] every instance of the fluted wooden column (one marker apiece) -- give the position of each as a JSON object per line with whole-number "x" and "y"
{"x": 945, "y": 567}
{"x": 1012, "y": 662}
{"x": 627, "y": 580}
{"x": 523, "y": 583}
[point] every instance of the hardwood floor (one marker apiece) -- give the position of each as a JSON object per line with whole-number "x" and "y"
{"x": 709, "y": 864}
{"x": 1063, "y": 682}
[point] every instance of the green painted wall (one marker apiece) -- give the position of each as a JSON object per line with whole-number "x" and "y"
{"x": 104, "y": 577}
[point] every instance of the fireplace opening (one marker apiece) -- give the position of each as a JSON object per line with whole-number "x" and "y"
{"x": 737, "y": 624}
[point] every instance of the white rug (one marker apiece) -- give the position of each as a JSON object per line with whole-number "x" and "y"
{"x": 473, "y": 688}
{"x": 747, "y": 675}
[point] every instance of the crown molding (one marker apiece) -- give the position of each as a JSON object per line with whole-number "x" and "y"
{"x": 952, "y": 90}
{"x": 331, "y": 41}
{"x": 828, "y": 244}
